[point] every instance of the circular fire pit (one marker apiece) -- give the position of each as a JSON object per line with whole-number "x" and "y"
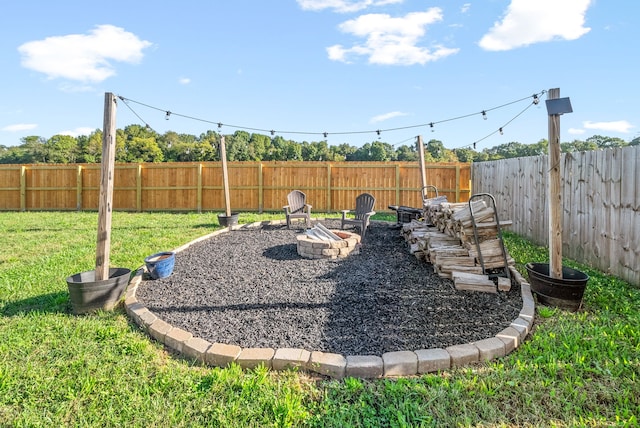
{"x": 313, "y": 248}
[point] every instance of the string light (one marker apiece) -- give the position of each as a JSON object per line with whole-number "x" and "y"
{"x": 503, "y": 126}
{"x": 168, "y": 113}
{"x": 124, "y": 100}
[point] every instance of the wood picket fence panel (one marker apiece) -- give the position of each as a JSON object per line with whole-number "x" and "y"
{"x": 601, "y": 204}
{"x": 253, "y": 186}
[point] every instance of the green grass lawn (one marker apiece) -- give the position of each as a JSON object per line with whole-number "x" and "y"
{"x": 57, "y": 369}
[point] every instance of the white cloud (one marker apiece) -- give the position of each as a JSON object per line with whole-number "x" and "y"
{"x": 75, "y": 88}
{"x": 576, "y": 131}
{"x": 527, "y": 22}
{"x": 343, "y": 6}
{"x": 617, "y": 126}
{"x": 83, "y": 57}
{"x": 184, "y": 80}
{"x": 465, "y": 8}
{"x": 391, "y": 40}
{"x": 386, "y": 116}
{"x": 20, "y": 127}
{"x": 78, "y": 131}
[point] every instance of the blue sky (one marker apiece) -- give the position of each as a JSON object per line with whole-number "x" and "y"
{"x": 302, "y": 68}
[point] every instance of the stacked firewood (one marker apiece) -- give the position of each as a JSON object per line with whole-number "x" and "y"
{"x": 446, "y": 239}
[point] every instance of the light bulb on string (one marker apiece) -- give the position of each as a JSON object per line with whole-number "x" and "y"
{"x": 378, "y": 132}
{"x": 167, "y": 115}
{"x": 501, "y": 133}
{"x": 484, "y": 115}
{"x": 431, "y": 125}
{"x": 536, "y": 100}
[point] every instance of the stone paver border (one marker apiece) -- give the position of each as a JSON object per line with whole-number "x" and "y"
{"x": 390, "y": 364}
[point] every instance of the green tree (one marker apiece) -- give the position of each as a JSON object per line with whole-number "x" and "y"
{"x": 211, "y": 139}
{"x": 316, "y": 151}
{"x": 578, "y": 146}
{"x": 61, "y": 149}
{"x": 465, "y": 154}
{"x": 407, "y": 153}
{"x": 341, "y": 152}
{"x": 33, "y": 150}
{"x": 607, "y": 142}
{"x": 258, "y": 146}
{"x": 91, "y": 150}
{"x": 539, "y": 148}
{"x": 361, "y": 154}
{"x": 292, "y": 151}
{"x": 509, "y": 150}
{"x": 143, "y": 149}
{"x": 375, "y": 151}
{"x": 237, "y": 146}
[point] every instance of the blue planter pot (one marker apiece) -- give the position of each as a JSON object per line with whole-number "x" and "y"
{"x": 160, "y": 265}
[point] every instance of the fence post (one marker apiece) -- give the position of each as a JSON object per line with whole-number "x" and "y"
{"x": 260, "y": 188}
{"x": 23, "y": 188}
{"x": 457, "y": 182}
{"x": 329, "y": 187}
{"x": 199, "y": 191}
{"x": 139, "y": 188}
{"x": 79, "y": 189}
{"x": 397, "y": 184}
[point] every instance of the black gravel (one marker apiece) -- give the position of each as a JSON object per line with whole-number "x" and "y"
{"x": 250, "y": 288}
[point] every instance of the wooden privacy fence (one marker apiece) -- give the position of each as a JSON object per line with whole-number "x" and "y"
{"x": 254, "y": 186}
{"x": 601, "y": 204}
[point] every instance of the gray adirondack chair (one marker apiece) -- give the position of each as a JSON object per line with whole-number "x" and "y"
{"x": 297, "y": 208}
{"x": 365, "y": 203}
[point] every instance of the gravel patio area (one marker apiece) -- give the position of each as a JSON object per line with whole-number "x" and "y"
{"x": 249, "y": 287}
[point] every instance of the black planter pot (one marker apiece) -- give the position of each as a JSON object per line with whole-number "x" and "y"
{"x": 88, "y": 295}
{"x": 228, "y": 220}
{"x": 564, "y": 293}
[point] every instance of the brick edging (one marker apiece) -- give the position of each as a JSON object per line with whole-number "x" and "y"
{"x": 389, "y": 364}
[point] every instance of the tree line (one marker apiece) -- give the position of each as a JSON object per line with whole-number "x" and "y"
{"x": 136, "y": 143}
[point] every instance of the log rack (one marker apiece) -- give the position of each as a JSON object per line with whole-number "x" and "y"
{"x": 493, "y": 276}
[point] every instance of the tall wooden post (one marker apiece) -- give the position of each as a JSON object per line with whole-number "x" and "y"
{"x": 555, "y": 193}
{"x": 225, "y": 176}
{"x": 423, "y": 171}
{"x": 106, "y": 187}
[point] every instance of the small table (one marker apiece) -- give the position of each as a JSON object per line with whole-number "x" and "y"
{"x": 405, "y": 214}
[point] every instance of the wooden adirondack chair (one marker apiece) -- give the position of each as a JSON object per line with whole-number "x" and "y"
{"x": 364, "y": 210}
{"x": 297, "y": 208}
